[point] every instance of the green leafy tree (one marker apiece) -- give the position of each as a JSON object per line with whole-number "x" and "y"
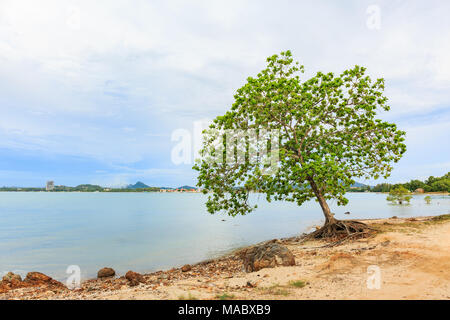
{"x": 414, "y": 185}
{"x": 440, "y": 185}
{"x": 427, "y": 199}
{"x": 328, "y": 136}
{"x": 399, "y": 195}
{"x": 382, "y": 187}
{"x": 430, "y": 180}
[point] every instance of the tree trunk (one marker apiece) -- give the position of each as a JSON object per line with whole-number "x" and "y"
{"x": 329, "y": 218}
{"x": 334, "y": 228}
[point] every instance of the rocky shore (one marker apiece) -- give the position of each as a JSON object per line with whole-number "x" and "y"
{"x": 412, "y": 255}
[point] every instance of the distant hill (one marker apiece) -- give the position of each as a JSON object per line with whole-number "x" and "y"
{"x": 141, "y": 185}
{"x": 138, "y": 185}
{"x": 358, "y": 185}
{"x": 187, "y": 188}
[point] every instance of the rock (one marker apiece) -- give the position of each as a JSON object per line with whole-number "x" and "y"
{"x": 11, "y": 277}
{"x": 106, "y": 272}
{"x": 10, "y": 281}
{"x": 419, "y": 190}
{"x": 39, "y": 279}
{"x": 268, "y": 255}
{"x": 33, "y": 279}
{"x": 347, "y": 212}
{"x": 134, "y": 278}
{"x": 186, "y": 268}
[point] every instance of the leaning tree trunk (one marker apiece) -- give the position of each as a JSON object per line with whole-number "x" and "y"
{"x": 332, "y": 227}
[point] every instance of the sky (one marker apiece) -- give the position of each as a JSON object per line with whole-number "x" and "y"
{"x": 93, "y": 91}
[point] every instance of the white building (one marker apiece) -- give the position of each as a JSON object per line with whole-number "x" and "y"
{"x": 50, "y": 186}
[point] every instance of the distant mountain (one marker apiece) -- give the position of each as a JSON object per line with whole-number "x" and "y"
{"x": 187, "y": 188}
{"x": 141, "y": 185}
{"x": 358, "y": 185}
{"x": 138, "y": 185}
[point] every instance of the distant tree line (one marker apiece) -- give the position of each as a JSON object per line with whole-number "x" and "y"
{"x": 432, "y": 184}
{"x": 81, "y": 188}
{"x": 21, "y": 189}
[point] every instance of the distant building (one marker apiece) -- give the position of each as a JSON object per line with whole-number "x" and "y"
{"x": 50, "y": 186}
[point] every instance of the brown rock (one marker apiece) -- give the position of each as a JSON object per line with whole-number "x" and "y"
{"x": 11, "y": 281}
{"x": 39, "y": 279}
{"x": 268, "y": 255}
{"x": 186, "y": 268}
{"x": 106, "y": 272}
{"x": 134, "y": 278}
{"x": 10, "y": 277}
{"x": 33, "y": 279}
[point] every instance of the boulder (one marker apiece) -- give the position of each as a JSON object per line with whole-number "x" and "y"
{"x": 37, "y": 277}
{"x": 267, "y": 255}
{"x": 32, "y": 279}
{"x": 186, "y": 268}
{"x": 106, "y": 272}
{"x": 11, "y": 277}
{"x": 134, "y": 278}
{"x": 40, "y": 279}
{"x": 419, "y": 190}
{"x": 10, "y": 281}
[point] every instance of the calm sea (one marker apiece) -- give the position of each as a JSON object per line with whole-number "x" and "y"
{"x": 144, "y": 232}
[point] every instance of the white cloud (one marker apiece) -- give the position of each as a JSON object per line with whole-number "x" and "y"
{"x": 109, "y": 80}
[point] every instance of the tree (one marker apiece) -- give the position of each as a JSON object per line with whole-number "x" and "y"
{"x": 440, "y": 185}
{"x": 414, "y": 185}
{"x": 430, "y": 180}
{"x": 328, "y": 135}
{"x": 382, "y": 187}
{"x": 399, "y": 195}
{"x": 427, "y": 199}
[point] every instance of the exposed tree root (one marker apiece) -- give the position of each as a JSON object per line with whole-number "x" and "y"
{"x": 341, "y": 230}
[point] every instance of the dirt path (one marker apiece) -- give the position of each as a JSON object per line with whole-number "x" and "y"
{"x": 411, "y": 255}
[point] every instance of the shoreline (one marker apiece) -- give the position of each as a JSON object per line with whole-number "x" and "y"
{"x": 224, "y": 278}
{"x": 439, "y": 193}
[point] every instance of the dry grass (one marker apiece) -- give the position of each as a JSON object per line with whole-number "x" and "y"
{"x": 189, "y": 297}
{"x": 225, "y": 296}
{"x": 298, "y": 283}
{"x": 411, "y": 226}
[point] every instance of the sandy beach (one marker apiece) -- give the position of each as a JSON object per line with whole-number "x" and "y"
{"x": 412, "y": 256}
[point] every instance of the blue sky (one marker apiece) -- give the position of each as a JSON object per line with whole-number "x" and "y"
{"x": 92, "y": 92}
